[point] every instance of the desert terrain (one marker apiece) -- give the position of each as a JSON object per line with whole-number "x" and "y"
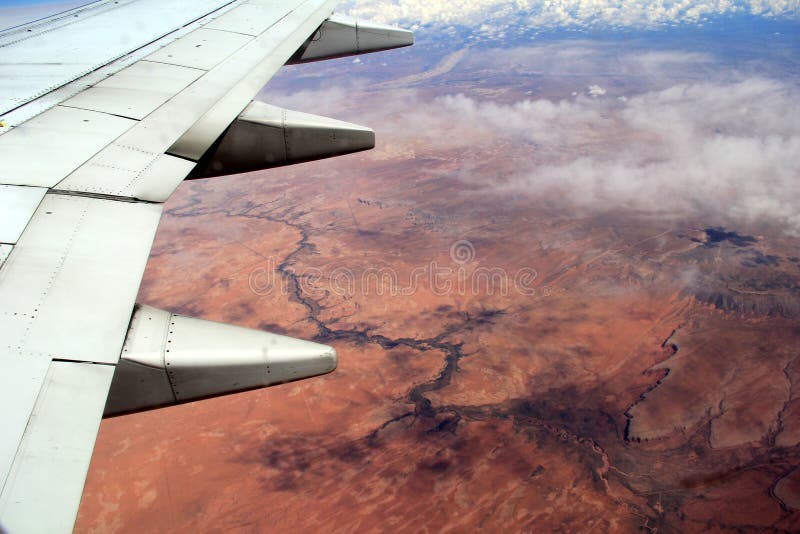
{"x": 507, "y": 361}
{"x": 608, "y": 392}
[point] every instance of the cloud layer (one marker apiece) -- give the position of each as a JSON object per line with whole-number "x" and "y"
{"x": 722, "y": 151}
{"x": 499, "y": 14}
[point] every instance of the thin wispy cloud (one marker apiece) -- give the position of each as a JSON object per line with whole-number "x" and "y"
{"x": 586, "y": 57}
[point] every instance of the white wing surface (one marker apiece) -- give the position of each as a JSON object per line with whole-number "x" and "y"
{"x": 104, "y": 110}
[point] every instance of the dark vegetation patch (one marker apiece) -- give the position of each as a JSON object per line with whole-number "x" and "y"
{"x": 714, "y": 236}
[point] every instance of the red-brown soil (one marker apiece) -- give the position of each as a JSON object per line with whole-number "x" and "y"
{"x": 609, "y": 370}
{"x": 612, "y": 394}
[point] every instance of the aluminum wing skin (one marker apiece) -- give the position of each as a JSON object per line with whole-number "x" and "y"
{"x": 104, "y": 110}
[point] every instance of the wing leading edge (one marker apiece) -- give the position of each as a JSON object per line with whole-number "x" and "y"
{"x": 104, "y": 110}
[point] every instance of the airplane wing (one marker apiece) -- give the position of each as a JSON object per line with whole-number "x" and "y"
{"x": 104, "y": 110}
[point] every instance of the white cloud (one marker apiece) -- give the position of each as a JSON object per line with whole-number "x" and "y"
{"x": 730, "y": 151}
{"x": 595, "y": 91}
{"x": 493, "y": 16}
{"x": 714, "y": 150}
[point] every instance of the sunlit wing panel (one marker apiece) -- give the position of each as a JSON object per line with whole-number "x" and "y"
{"x": 68, "y": 136}
{"x": 207, "y": 78}
{"x": 17, "y": 204}
{"x": 67, "y": 290}
{"x": 40, "y": 57}
{"x": 43, "y": 489}
{"x": 5, "y": 250}
{"x": 68, "y": 287}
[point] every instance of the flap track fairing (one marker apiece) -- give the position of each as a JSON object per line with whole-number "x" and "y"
{"x": 266, "y": 136}
{"x": 341, "y": 36}
{"x": 169, "y": 359}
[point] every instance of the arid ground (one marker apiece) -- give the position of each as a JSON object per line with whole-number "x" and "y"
{"x": 507, "y": 361}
